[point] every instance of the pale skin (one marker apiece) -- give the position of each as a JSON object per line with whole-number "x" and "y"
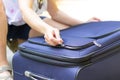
{"x": 3, "y": 35}
{"x": 48, "y": 27}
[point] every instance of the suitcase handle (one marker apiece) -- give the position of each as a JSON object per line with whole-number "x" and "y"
{"x": 33, "y": 76}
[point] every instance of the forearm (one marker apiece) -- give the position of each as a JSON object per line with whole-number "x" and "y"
{"x": 30, "y": 16}
{"x": 66, "y": 19}
{"x": 34, "y": 21}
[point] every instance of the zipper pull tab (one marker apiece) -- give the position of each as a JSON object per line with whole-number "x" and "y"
{"x": 97, "y": 44}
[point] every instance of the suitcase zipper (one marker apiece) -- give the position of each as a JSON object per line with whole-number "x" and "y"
{"x": 69, "y": 46}
{"x": 79, "y": 47}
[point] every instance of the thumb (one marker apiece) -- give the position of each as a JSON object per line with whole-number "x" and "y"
{"x": 57, "y": 36}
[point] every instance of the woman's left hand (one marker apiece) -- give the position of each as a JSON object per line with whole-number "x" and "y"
{"x": 94, "y": 19}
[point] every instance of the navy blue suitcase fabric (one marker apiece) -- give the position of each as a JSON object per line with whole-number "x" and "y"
{"x": 82, "y": 56}
{"x": 80, "y": 43}
{"x": 107, "y": 68}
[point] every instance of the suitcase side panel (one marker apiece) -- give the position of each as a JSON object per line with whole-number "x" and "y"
{"x": 107, "y": 68}
{"x": 22, "y": 64}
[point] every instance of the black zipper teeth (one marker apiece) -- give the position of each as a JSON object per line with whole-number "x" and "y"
{"x": 65, "y": 46}
{"x": 109, "y": 47}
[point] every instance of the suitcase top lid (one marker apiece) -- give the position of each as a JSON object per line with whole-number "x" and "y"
{"x": 81, "y": 42}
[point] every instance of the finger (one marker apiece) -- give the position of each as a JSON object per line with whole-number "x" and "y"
{"x": 96, "y": 19}
{"x": 50, "y": 40}
{"x": 57, "y": 36}
{"x": 50, "y": 43}
{"x": 54, "y": 38}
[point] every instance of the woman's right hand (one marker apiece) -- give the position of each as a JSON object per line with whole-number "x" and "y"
{"x": 52, "y": 36}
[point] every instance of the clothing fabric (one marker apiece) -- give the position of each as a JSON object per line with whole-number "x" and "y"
{"x": 13, "y": 12}
{"x": 42, "y": 9}
{"x": 19, "y": 32}
{"x": 15, "y": 32}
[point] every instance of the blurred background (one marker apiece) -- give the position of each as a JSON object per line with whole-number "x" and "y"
{"x": 84, "y": 9}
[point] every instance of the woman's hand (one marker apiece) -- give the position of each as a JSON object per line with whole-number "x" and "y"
{"x": 94, "y": 19}
{"x": 52, "y": 36}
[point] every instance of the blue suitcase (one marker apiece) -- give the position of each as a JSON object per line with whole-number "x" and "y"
{"x": 90, "y": 51}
